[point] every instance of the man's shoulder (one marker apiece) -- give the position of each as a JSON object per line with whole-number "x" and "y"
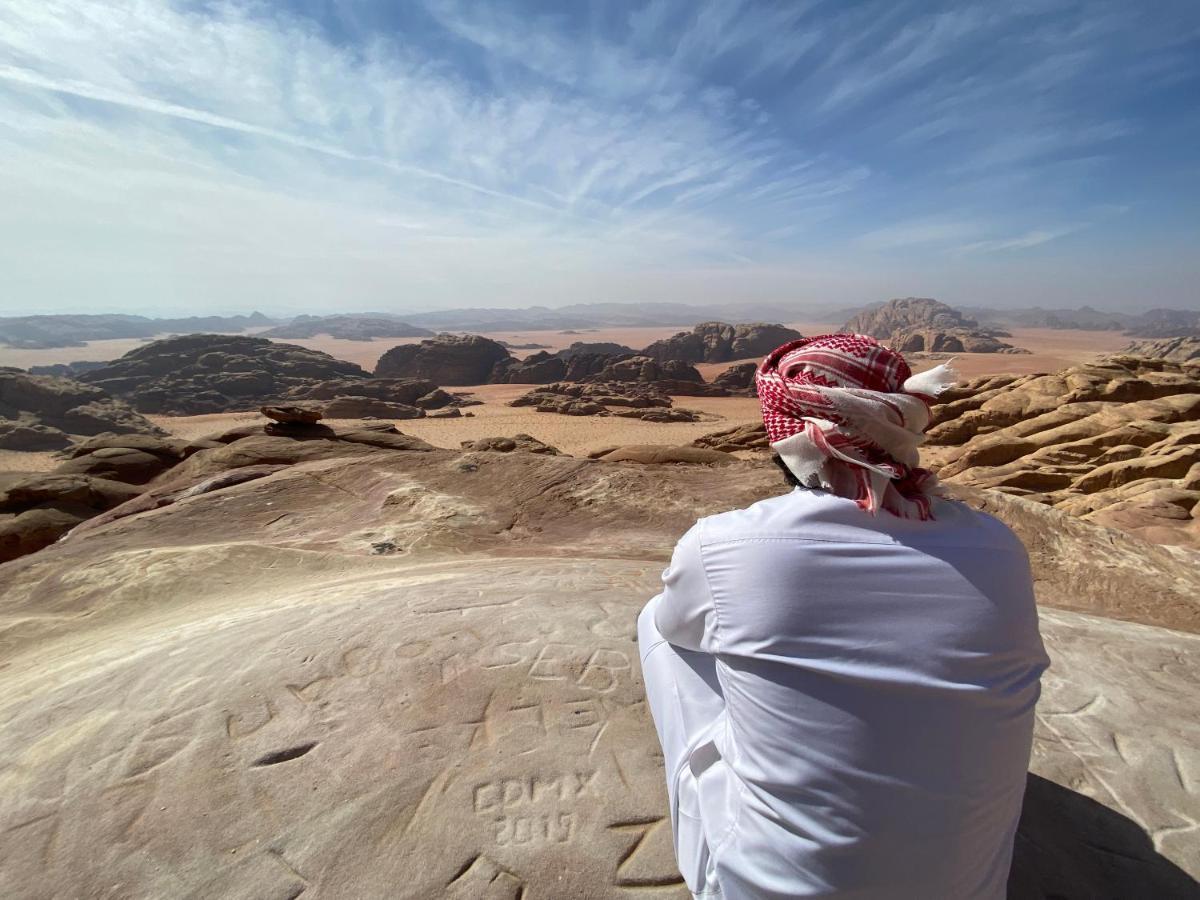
{"x": 810, "y": 515}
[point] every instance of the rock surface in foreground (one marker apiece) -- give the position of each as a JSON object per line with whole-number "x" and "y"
{"x": 413, "y": 677}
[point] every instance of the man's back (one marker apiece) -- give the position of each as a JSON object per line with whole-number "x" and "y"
{"x": 879, "y": 677}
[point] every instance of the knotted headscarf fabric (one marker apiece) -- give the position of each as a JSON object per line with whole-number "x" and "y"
{"x": 847, "y": 415}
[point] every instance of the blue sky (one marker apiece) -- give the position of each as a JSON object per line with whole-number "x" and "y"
{"x": 325, "y": 155}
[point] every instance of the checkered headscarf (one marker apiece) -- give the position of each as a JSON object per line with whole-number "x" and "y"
{"x": 846, "y": 414}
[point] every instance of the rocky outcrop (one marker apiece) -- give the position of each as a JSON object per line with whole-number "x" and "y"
{"x": 1175, "y": 349}
{"x": 40, "y": 412}
{"x": 595, "y": 348}
{"x": 752, "y": 436}
{"x": 394, "y": 390}
{"x": 738, "y": 379}
{"x": 718, "y": 342}
{"x": 395, "y": 665}
{"x": 579, "y": 361}
{"x": 293, "y": 415}
{"x": 670, "y": 376}
{"x": 446, "y": 359}
{"x": 916, "y": 324}
{"x": 207, "y": 373}
{"x": 37, "y": 509}
{"x": 68, "y": 370}
{"x": 1115, "y": 443}
{"x": 523, "y": 442}
{"x": 538, "y": 368}
{"x": 624, "y": 394}
{"x": 635, "y": 401}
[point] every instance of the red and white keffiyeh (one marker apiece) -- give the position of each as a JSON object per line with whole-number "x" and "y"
{"x": 846, "y": 414}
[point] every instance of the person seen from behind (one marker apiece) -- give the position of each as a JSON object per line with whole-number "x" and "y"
{"x": 843, "y": 678}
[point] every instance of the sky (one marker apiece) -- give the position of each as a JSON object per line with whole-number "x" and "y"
{"x": 309, "y": 156}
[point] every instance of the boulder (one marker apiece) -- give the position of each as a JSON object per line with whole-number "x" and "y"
{"x": 540, "y": 368}
{"x": 446, "y": 359}
{"x": 38, "y": 527}
{"x": 435, "y": 399}
{"x": 308, "y": 415}
{"x": 122, "y": 464}
{"x": 738, "y": 379}
{"x": 53, "y": 487}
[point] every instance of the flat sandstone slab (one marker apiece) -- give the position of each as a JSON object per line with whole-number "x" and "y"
{"x": 416, "y": 676}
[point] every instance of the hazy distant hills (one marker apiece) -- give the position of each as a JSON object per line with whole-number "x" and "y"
{"x": 1154, "y": 323}
{"x": 348, "y": 327}
{"x": 579, "y": 316}
{"x": 40, "y": 332}
{"x": 36, "y": 332}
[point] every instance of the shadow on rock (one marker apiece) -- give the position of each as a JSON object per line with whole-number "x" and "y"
{"x": 1070, "y": 847}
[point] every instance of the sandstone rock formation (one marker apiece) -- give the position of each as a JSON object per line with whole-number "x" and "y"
{"x": 1115, "y": 443}
{"x": 670, "y": 376}
{"x": 206, "y": 373}
{"x": 40, "y": 412}
{"x": 1175, "y": 349}
{"x": 752, "y": 436}
{"x": 537, "y": 368}
{"x": 718, "y": 342}
{"x": 916, "y": 324}
{"x": 415, "y": 675}
{"x": 526, "y": 442}
{"x": 738, "y": 379}
{"x": 295, "y": 415}
{"x": 595, "y": 348}
{"x": 636, "y": 401}
{"x": 446, "y": 359}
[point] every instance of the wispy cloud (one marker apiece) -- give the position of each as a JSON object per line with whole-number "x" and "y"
{"x": 442, "y": 152}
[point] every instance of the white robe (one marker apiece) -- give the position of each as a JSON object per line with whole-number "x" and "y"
{"x": 845, "y": 701}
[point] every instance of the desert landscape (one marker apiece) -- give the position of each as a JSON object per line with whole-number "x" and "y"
{"x": 367, "y": 629}
{"x": 362, "y": 364}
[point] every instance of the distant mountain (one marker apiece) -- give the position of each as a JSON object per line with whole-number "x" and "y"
{"x": 1165, "y": 323}
{"x": 1154, "y": 323}
{"x": 1085, "y": 318}
{"x": 353, "y": 327}
{"x": 578, "y": 316}
{"x": 41, "y": 332}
